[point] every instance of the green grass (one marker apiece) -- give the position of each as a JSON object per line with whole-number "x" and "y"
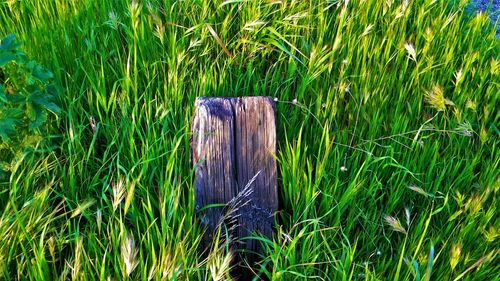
{"x": 388, "y": 160}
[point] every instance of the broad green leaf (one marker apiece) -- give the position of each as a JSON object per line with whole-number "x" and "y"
{"x": 45, "y": 101}
{"x": 6, "y": 57}
{"x": 30, "y": 110}
{"x": 37, "y": 116}
{"x": 30, "y": 65}
{"x": 16, "y": 98}
{"x": 42, "y": 74}
{"x": 9, "y": 43}
{"x": 9, "y": 119}
{"x": 52, "y": 91}
{"x": 7, "y": 128}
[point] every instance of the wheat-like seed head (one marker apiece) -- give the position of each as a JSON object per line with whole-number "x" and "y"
{"x": 118, "y": 192}
{"x": 411, "y": 51}
{"x": 435, "y": 98}
{"x": 395, "y": 224}
{"x": 129, "y": 254}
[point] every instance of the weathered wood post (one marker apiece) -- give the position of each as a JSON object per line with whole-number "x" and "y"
{"x": 232, "y": 149}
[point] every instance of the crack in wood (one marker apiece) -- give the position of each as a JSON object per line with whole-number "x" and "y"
{"x": 233, "y": 140}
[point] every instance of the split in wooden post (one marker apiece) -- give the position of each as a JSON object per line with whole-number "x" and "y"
{"x": 233, "y": 151}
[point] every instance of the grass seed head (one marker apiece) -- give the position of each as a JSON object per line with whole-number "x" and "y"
{"x": 458, "y": 77}
{"x": 220, "y": 266}
{"x": 135, "y": 8}
{"x": 52, "y": 248}
{"x": 113, "y": 20}
{"x": 152, "y": 273}
{"x": 93, "y": 124}
{"x": 416, "y": 188}
{"x": 118, "y": 192}
{"x": 406, "y": 3}
{"x": 99, "y": 219}
{"x": 169, "y": 267}
{"x": 129, "y": 254}
{"x": 75, "y": 268}
{"x": 394, "y": 223}
{"x": 455, "y": 251}
{"x": 411, "y": 51}
{"x": 408, "y": 217}
{"x": 435, "y": 98}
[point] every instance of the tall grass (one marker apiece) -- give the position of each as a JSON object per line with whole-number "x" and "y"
{"x": 388, "y": 138}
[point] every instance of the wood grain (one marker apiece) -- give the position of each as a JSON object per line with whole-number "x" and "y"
{"x": 233, "y": 146}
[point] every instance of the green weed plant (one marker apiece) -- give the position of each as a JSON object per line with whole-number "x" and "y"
{"x": 27, "y": 97}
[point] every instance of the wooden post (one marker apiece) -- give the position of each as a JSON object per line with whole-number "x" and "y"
{"x": 232, "y": 150}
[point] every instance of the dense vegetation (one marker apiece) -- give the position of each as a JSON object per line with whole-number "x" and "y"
{"x": 388, "y": 137}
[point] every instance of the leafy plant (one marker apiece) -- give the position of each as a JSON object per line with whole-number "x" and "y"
{"x": 27, "y": 95}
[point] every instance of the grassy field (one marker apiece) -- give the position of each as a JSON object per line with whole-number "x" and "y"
{"x": 388, "y": 128}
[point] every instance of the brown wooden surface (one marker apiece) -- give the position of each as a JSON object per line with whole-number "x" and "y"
{"x": 233, "y": 147}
